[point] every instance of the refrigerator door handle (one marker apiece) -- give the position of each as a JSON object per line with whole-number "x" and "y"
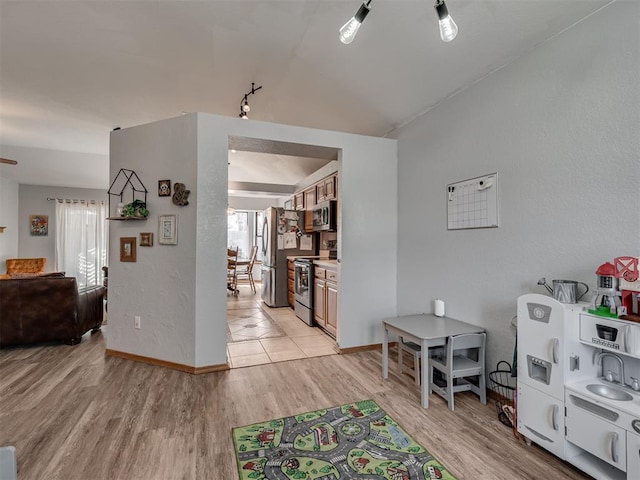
{"x": 265, "y": 233}
{"x": 554, "y": 417}
{"x": 554, "y": 350}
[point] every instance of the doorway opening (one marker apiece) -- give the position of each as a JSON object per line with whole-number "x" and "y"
{"x": 263, "y": 174}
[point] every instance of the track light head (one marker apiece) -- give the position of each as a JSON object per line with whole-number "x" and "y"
{"x": 244, "y": 103}
{"x": 448, "y": 28}
{"x": 349, "y": 30}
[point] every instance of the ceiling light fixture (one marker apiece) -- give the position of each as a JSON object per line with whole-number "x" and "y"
{"x": 350, "y": 29}
{"x": 244, "y": 103}
{"x": 448, "y": 28}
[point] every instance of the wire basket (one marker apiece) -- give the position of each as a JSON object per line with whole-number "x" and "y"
{"x": 505, "y": 386}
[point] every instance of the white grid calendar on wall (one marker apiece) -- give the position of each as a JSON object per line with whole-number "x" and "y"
{"x": 473, "y": 203}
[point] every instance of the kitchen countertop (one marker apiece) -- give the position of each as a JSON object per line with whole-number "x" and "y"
{"x": 326, "y": 263}
{"x": 293, "y": 257}
{"x": 631, "y": 407}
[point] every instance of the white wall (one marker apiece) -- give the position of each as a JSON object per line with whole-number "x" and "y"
{"x": 33, "y": 201}
{"x": 560, "y": 126}
{"x": 179, "y": 291}
{"x": 9, "y": 219}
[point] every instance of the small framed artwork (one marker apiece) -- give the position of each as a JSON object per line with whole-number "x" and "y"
{"x": 168, "y": 230}
{"x": 127, "y": 249}
{"x": 39, "y": 225}
{"x": 164, "y": 188}
{"x": 146, "y": 239}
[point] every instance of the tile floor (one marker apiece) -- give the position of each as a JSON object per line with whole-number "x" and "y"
{"x": 258, "y": 334}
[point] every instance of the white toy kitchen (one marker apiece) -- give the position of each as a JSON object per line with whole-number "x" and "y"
{"x": 578, "y": 392}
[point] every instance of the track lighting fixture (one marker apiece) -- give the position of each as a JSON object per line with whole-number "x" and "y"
{"x": 448, "y": 28}
{"x": 244, "y": 103}
{"x": 350, "y": 29}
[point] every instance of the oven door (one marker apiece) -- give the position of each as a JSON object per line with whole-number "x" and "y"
{"x": 302, "y": 287}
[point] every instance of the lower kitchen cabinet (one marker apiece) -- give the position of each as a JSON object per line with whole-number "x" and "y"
{"x": 595, "y": 435}
{"x": 633, "y": 453}
{"x": 291, "y": 293}
{"x": 541, "y": 419}
{"x": 326, "y": 300}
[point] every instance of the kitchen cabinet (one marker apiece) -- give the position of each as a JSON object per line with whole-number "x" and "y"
{"x": 308, "y": 221}
{"x": 544, "y": 422}
{"x": 320, "y": 192}
{"x": 596, "y": 435}
{"x": 310, "y": 198}
{"x": 298, "y": 201}
{"x": 326, "y": 299}
{"x": 330, "y": 187}
{"x": 291, "y": 293}
{"x": 633, "y": 452}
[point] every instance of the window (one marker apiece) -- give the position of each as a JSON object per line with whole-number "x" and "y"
{"x": 81, "y": 240}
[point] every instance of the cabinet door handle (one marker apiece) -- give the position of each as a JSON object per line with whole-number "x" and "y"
{"x": 614, "y": 447}
{"x": 554, "y": 417}
{"x": 554, "y": 350}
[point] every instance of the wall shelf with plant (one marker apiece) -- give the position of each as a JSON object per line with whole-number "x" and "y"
{"x": 126, "y": 185}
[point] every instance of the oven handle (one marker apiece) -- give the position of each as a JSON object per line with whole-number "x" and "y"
{"x": 554, "y": 417}
{"x": 614, "y": 447}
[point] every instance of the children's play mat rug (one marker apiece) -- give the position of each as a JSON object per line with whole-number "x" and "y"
{"x": 357, "y": 440}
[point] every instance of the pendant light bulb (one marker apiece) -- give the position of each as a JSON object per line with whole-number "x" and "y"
{"x": 448, "y": 28}
{"x": 246, "y": 107}
{"x": 243, "y": 116}
{"x": 349, "y": 30}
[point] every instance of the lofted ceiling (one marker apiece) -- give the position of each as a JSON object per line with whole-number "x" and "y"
{"x": 71, "y": 71}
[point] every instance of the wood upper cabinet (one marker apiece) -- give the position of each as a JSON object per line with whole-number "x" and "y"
{"x": 308, "y": 221}
{"x": 330, "y": 187}
{"x": 320, "y": 192}
{"x": 310, "y": 197}
{"x": 298, "y": 201}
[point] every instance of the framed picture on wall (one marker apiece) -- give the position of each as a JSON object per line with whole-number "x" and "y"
{"x": 164, "y": 188}
{"x": 127, "y": 249}
{"x": 146, "y": 239}
{"x": 39, "y": 225}
{"x": 168, "y": 230}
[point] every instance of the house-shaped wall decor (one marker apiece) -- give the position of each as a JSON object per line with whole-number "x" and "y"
{"x": 128, "y": 187}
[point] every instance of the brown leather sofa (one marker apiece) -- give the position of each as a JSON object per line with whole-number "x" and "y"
{"x": 48, "y": 309}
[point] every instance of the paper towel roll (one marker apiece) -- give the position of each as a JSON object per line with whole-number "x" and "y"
{"x": 438, "y": 308}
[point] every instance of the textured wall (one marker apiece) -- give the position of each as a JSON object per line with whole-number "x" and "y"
{"x": 179, "y": 291}
{"x": 560, "y": 126}
{"x": 9, "y": 219}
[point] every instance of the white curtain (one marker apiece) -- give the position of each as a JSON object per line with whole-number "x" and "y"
{"x": 82, "y": 239}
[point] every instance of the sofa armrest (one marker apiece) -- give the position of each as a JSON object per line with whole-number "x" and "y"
{"x": 90, "y": 308}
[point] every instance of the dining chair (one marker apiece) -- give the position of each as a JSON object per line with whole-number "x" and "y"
{"x": 232, "y": 271}
{"x": 415, "y": 351}
{"x": 463, "y": 359}
{"x": 245, "y": 272}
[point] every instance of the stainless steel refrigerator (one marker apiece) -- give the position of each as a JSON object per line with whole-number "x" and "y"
{"x": 282, "y": 236}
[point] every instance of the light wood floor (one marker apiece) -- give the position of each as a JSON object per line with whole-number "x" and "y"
{"x": 73, "y": 413}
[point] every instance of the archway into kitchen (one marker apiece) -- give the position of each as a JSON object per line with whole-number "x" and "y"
{"x": 273, "y": 188}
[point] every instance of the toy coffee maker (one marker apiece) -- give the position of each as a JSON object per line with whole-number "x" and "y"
{"x": 607, "y": 299}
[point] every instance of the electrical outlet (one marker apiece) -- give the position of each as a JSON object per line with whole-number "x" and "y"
{"x": 136, "y": 321}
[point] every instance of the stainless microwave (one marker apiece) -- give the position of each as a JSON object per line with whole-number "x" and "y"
{"x": 324, "y": 216}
